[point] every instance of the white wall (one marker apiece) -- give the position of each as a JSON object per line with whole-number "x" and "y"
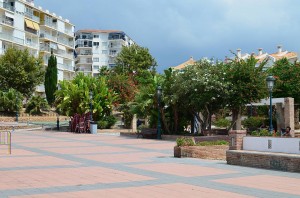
{"x": 20, "y": 7}
{"x": 60, "y": 26}
{"x": 278, "y": 145}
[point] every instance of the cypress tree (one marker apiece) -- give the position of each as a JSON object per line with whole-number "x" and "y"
{"x": 51, "y": 79}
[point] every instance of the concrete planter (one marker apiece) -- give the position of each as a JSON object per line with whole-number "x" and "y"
{"x": 217, "y": 152}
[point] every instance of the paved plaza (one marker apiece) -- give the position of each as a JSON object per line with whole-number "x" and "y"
{"x": 60, "y": 164}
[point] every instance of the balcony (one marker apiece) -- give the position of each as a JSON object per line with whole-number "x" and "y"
{"x": 80, "y": 61}
{"x": 7, "y": 6}
{"x": 11, "y": 38}
{"x": 32, "y": 44}
{"x": 32, "y": 31}
{"x": 47, "y": 36}
{"x": 83, "y": 45}
{"x": 65, "y": 67}
{"x": 6, "y": 21}
{"x": 31, "y": 16}
{"x": 66, "y": 42}
{"x": 49, "y": 24}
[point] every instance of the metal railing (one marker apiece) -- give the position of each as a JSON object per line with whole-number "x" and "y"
{"x": 6, "y": 21}
{"x": 11, "y": 38}
{"x": 5, "y": 139}
{"x": 31, "y": 16}
{"x": 8, "y": 7}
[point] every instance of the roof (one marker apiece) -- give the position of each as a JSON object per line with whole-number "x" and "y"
{"x": 98, "y": 31}
{"x": 191, "y": 61}
{"x": 285, "y": 54}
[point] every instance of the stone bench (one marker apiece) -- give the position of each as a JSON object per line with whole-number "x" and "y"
{"x": 147, "y": 133}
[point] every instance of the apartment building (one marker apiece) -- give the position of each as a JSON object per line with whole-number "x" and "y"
{"x": 24, "y": 25}
{"x": 98, "y": 48}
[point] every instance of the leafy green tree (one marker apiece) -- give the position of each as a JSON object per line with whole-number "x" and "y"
{"x": 35, "y": 105}
{"x": 73, "y": 97}
{"x": 21, "y": 71}
{"x": 137, "y": 62}
{"x": 246, "y": 84}
{"x": 200, "y": 90}
{"x": 287, "y": 82}
{"x": 10, "y": 101}
{"x": 51, "y": 79}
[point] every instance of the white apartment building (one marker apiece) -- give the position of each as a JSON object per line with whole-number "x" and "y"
{"x": 24, "y": 25}
{"x": 98, "y": 48}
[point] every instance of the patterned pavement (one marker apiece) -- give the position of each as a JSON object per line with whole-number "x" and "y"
{"x": 60, "y": 164}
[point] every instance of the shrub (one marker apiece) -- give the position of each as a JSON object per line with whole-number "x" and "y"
{"x": 222, "y": 122}
{"x": 262, "y": 132}
{"x": 102, "y": 124}
{"x": 212, "y": 143}
{"x": 111, "y": 120}
{"x": 185, "y": 141}
{"x": 36, "y": 104}
{"x": 253, "y": 122}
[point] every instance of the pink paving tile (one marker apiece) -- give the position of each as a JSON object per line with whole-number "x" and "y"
{"x": 157, "y": 146}
{"x": 31, "y": 161}
{"x": 88, "y": 150}
{"x": 183, "y": 170}
{"x": 19, "y": 152}
{"x": 266, "y": 182}
{"x": 59, "y": 177}
{"x": 123, "y": 158}
{"x": 55, "y": 144}
{"x": 176, "y": 190}
{"x": 132, "y": 141}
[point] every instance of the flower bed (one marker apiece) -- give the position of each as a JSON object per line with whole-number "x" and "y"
{"x": 216, "y": 152}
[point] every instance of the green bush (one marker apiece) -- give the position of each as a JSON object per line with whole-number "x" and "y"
{"x": 111, "y": 121}
{"x": 212, "y": 143}
{"x": 253, "y": 122}
{"x": 222, "y": 122}
{"x": 183, "y": 141}
{"x": 102, "y": 124}
{"x": 36, "y": 104}
{"x": 262, "y": 132}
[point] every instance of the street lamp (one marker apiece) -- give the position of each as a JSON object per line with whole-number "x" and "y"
{"x": 159, "y": 93}
{"x": 91, "y": 106}
{"x": 17, "y": 108}
{"x": 270, "y": 82}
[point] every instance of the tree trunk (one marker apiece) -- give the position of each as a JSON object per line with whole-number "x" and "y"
{"x": 236, "y": 119}
{"x": 175, "y": 118}
{"x": 165, "y": 124}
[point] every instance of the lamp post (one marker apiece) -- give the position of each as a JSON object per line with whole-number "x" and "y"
{"x": 270, "y": 82}
{"x": 91, "y": 106}
{"x": 158, "y": 92}
{"x": 17, "y": 108}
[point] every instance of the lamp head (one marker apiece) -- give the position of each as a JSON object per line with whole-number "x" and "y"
{"x": 159, "y": 90}
{"x": 270, "y": 82}
{"x": 91, "y": 95}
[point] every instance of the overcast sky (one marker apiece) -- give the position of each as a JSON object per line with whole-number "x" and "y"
{"x": 175, "y": 30}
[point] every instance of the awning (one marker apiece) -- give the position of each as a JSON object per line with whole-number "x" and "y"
{"x": 9, "y": 15}
{"x": 29, "y": 24}
{"x": 36, "y": 26}
{"x": 61, "y": 47}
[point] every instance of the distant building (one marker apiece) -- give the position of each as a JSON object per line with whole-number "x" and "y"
{"x": 187, "y": 63}
{"x": 25, "y": 26}
{"x": 98, "y": 48}
{"x": 271, "y": 58}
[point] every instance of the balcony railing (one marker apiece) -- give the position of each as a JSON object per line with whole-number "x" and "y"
{"x": 7, "y": 7}
{"x": 9, "y": 37}
{"x": 84, "y": 61}
{"x": 65, "y": 67}
{"x": 31, "y": 31}
{"x": 32, "y": 44}
{"x": 6, "y": 21}
{"x": 48, "y": 36}
{"x": 66, "y": 42}
{"x": 45, "y": 47}
{"x": 50, "y": 24}
{"x": 31, "y": 16}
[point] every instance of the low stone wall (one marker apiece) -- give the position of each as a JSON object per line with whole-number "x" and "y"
{"x": 197, "y": 138}
{"x": 217, "y": 152}
{"x": 34, "y": 118}
{"x": 276, "y": 161}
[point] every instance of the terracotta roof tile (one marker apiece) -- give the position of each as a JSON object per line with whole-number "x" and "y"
{"x": 191, "y": 61}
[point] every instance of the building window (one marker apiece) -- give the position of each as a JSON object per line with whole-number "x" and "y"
{"x": 104, "y": 44}
{"x": 96, "y": 67}
{"x": 104, "y": 51}
{"x": 95, "y": 59}
{"x": 96, "y": 44}
{"x": 96, "y": 36}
